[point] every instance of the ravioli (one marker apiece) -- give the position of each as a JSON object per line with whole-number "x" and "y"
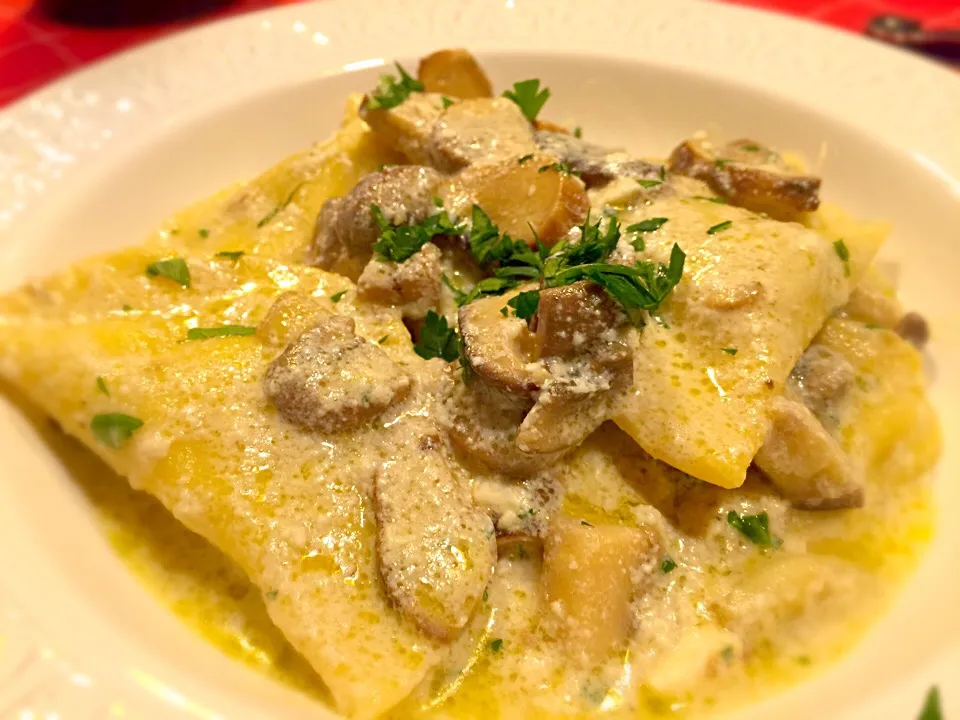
{"x": 753, "y": 295}
{"x": 291, "y": 508}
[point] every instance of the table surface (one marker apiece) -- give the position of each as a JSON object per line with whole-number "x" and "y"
{"x": 35, "y": 49}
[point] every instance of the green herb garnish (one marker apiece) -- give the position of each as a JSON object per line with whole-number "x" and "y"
{"x": 173, "y": 269}
{"x": 648, "y": 225}
{"x": 931, "y": 708}
{"x": 730, "y": 351}
{"x": 727, "y": 654}
{"x": 496, "y": 645}
{"x": 400, "y": 242}
{"x": 271, "y": 594}
{"x": 644, "y": 183}
{"x": 391, "y": 92}
{"x": 561, "y": 167}
{"x": 437, "y": 339}
{"x": 750, "y": 148}
{"x": 721, "y": 163}
{"x": 529, "y": 97}
{"x": 578, "y": 132}
{"x": 231, "y": 254}
{"x": 525, "y": 304}
{"x": 840, "y": 247}
{"x": 756, "y": 528}
{"x": 222, "y": 331}
{"x": 719, "y": 227}
{"x": 127, "y": 308}
{"x": 203, "y": 232}
{"x": 102, "y": 386}
{"x": 717, "y": 200}
{"x": 382, "y": 340}
{"x": 524, "y": 158}
{"x": 667, "y": 565}
{"x": 337, "y": 297}
{"x": 273, "y": 213}
{"x": 447, "y": 102}
{"x": 114, "y": 429}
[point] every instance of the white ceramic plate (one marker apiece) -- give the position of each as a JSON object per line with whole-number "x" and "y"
{"x": 98, "y": 159}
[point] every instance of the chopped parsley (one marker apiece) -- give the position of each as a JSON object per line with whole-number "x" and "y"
{"x": 756, "y": 528}
{"x": 667, "y": 565}
{"x": 447, "y": 102}
{"x": 578, "y": 132}
{"x": 391, "y": 92}
{"x": 488, "y": 246}
{"x": 437, "y": 201}
{"x": 222, "y": 331}
{"x": 750, "y": 148}
{"x": 127, "y": 308}
{"x": 585, "y": 523}
{"x": 271, "y": 594}
{"x": 102, "y": 386}
{"x": 931, "y": 708}
{"x": 730, "y": 351}
{"x": 382, "y": 340}
{"x": 721, "y": 163}
{"x": 231, "y": 254}
{"x": 644, "y": 183}
{"x": 561, "y": 167}
{"x": 524, "y": 158}
{"x": 718, "y": 200}
{"x": 203, "y": 232}
{"x": 840, "y": 247}
{"x": 496, "y": 645}
{"x": 719, "y": 227}
{"x": 486, "y": 596}
{"x": 273, "y": 213}
{"x": 648, "y": 225}
{"x": 525, "y": 304}
{"x": 437, "y": 339}
{"x": 173, "y": 269}
{"x": 529, "y": 97}
{"x": 727, "y": 654}
{"x": 400, "y": 242}
{"x": 337, "y": 297}
{"x": 114, "y": 429}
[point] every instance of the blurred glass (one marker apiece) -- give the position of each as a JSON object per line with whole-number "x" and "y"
{"x": 120, "y": 13}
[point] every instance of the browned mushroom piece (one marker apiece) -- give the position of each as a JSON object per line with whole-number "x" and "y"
{"x": 913, "y": 328}
{"x": 821, "y": 378}
{"x": 413, "y": 286}
{"x": 805, "y": 464}
{"x": 479, "y": 130}
{"x": 346, "y": 229}
{"x": 436, "y": 546}
{"x": 407, "y": 127}
{"x": 595, "y": 164}
{"x": 750, "y": 175}
{"x": 582, "y": 339}
{"x": 482, "y": 422}
{"x": 870, "y": 304}
{"x": 499, "y": 347}
{"x": 454, "y": 73}
{"x": 329, "y": 379}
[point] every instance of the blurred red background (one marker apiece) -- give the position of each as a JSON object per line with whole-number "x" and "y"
{"x": 35, "y": 49}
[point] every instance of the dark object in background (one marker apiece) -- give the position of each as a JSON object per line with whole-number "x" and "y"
{"x": 123, "y": 13}
{"x": 909, "y": 34}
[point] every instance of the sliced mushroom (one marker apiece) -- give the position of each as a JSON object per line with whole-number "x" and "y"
{"x": 407, "y": 126}
{"x": 869, "y": 304}
{"x": 805, "y": 463}
{"x": 590, "y": 577}
{"x": 483, "y": 421}
{"x": 913, "y": 328}
{"x": 479, "y": 130}
{"x": 291, "y": 315}
{"x": 454, "y": 73}
{"x": 330, "y": 380}
{"x": 749, "y": 175}
{"x": 413, "y": 285}
{"x": 821, "y": 378}
{"x": 526, "y": 196}
{"x": 437, "y": 548}
{"x": 595, "y": 164}
{"x": 499, "y": 348}
{"x": 346, "y": 229}
{"x": 582, "y": 340}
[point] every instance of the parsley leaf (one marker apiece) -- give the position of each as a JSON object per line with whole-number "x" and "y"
{"x": 391, "y": 92}
{"x": 400, "y": 242}
{"x": 524, "y": 158}
{"x": 437, "y": 339}
{"x": 719, "y": 227}
{"x": 273, "y": 213}
{"x": 717, "y": 200}
{"x": 529, "y": 97}
{"x": 231, "y": 254}
{"x": 525, "y": 304}
{"x": 667, "y": 565}
{"x": 750, "y": 148}
{"x": 447, "y": 102}
{"x": 497, "y": 645}
{"x": 585, "y": 523}
{"x": 931, "y": 707}
{"x": 648, "y": 225}
{"x": 222, "y": 331}
{"x": 730, "y": 351}
{"x": 561, "y": 167}
{"x": 203, "y": 232}
{"x": 488, "y": 246}
{"x": 721, "y": 163}
{"x": 459, "y": 295}
{"x": 578, "y": 132}
{"x": 102, "y": 386}
{"x": 644, "y": 183}
{"x": 840, "y": 247}
{"x": 175, "y": 269}
{"x": 114, "y": 429}
{"x": 337, "y": 297}
{"x": 756, "y": 528}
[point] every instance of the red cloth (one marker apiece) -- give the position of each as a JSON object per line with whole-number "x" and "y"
{"x": 35, "y": 49}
